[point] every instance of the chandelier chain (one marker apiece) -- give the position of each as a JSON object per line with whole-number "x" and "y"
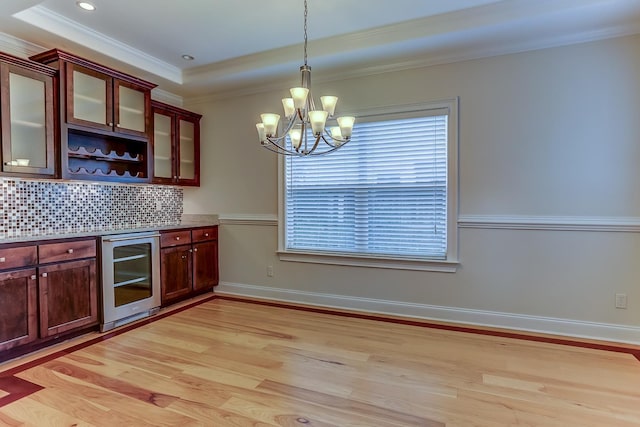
{"x": 305, "y": 32}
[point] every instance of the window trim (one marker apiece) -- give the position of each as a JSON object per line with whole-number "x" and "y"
{"x": 391, "y": 262}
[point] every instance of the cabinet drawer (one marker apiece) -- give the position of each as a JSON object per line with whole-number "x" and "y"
{"x": 18, "y": 257}
{"x": 204, "y": 234}
{"x": 65, "y": 251}
{"x": 175, "y": 238}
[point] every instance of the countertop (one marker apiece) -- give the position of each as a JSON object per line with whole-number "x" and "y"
{"x": 187, "y": 221}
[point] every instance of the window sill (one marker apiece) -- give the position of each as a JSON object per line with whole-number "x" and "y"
{"x": 394, "y": 263}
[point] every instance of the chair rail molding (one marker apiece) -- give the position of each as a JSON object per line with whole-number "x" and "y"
{"x": 248, "y": 219}
{"x": 557, "y": 223}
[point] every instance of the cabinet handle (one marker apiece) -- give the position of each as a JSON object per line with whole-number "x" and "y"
{"x": 206, "y": 234}
{"x": 110, "y": 123}
{"x": 117, "y": 125}
{"x": 190, "y": 250}
{"x": 3, "y": 259}
{"x": 33, "y": 277}
{"x": 175, "y": 177}
{"x": 184, "y": 257}
{"x": 69, "y": 251}
{"x": 195, "y": 249}
{"x": 44, "y": 275}
{"x": 177, "y": 238}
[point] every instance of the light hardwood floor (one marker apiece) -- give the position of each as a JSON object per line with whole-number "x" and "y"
{"x": 234, "y": 363}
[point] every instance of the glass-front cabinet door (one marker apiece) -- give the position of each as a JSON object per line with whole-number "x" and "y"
{"x": 176, "y": 145}
{"x": 89, "y": 100}
{"x": 163, "y": 169}
{"x": 103, "y": 102}
{"x": 27, "y": 121}
{"x": 130, "y": 108}
{"x": 186, "y": 150}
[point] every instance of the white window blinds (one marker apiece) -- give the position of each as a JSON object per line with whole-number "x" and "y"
{"x": 384, "y": 194}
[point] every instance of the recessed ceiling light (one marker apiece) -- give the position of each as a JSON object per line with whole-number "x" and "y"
{"x": 86, "y": 5}
{"x": 187, "y": 57}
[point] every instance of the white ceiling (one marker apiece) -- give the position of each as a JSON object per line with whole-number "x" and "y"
{"x": 241, "y": 43}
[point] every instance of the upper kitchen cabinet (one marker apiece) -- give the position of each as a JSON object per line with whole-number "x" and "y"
{"x": 105, "y": 120}
{"x": 27, "y": 118}
{"x": 175, "y": 145}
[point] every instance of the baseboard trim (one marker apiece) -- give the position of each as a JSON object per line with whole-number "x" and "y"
{"x": 479, "y": 318}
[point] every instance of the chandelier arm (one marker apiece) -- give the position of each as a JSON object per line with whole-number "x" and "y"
{"x": 281, "y": 150}
{"x": 315, "y": 144}
{"x": 290, "y": 125}
{"x": 275, "y": 139}
{"x": 283, "y": 153}
{"x": 322, "y": 153}
{"x": 342, "y": 141}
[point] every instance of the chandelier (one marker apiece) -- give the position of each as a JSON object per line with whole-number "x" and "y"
{"x": 301, "y": 115}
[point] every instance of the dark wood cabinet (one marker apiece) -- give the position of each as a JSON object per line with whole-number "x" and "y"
{"x": 18, "y": 296}
{"x": 27, "y": 118}
{"x": 105, "y": 120}
{"x": 188, "y": 263}
{"x": 175, "y": 145}
{"x": 68, "y": 296}
{"x": 176, "y": 266}
{"x": 48, "y": 291}
{"x": 18, "y": 308}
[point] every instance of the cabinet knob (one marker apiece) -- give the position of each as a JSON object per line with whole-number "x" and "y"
{"x": 195, "y": 249}
{"x": 33, "y": 277}
{"x": 190, "y": 250}
{"x": 117, "y": 125}
{"x": 45, "y": 275}
{"x": 175, "y": 177}
{"x": 110, "y": 123}
{"x": 184, "y": 257}
{"x": 3, "y": 259}
{"x": 69, "y": 251}
{"x": 177, "y": 237}
{"x": 206, "y": 234}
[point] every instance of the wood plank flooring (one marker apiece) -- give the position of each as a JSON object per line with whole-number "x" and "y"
{"x": 237, "y": 363}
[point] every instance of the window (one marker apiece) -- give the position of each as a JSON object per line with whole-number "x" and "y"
{"x": 387, "y": 199}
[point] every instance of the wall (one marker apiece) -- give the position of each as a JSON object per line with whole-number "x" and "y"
{"x": 40, "y": 208}
{"x": 548, "y": 188}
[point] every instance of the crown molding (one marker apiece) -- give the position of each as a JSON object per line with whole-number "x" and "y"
{"x": 18, "y": 47}
{"x": 48, "y": 20}
{"x": 167, "y": 97}
{"x": 418, "y": 59}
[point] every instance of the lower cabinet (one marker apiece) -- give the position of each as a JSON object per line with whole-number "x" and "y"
{"x": 68, "y": 296}
{"x": 188, "y": 263}
{"x": 47, "y": 290}
{"x": 175, "y": 271}
{"x": 18, "y": 308}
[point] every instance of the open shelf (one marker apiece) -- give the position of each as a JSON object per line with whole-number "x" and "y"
{"x": 97, "y": 154}
{"x": 82, "y": 171}
{"x": 105, "y": 157}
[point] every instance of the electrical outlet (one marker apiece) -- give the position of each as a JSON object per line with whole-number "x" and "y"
{"x": 270, "y": 270}
{"x": 621, "y": 300}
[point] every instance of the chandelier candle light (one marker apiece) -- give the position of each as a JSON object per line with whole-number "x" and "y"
{"x": 301, "y": 113}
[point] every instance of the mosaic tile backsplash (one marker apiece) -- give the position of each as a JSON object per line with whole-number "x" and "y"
{"x": 39, "y": 208}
